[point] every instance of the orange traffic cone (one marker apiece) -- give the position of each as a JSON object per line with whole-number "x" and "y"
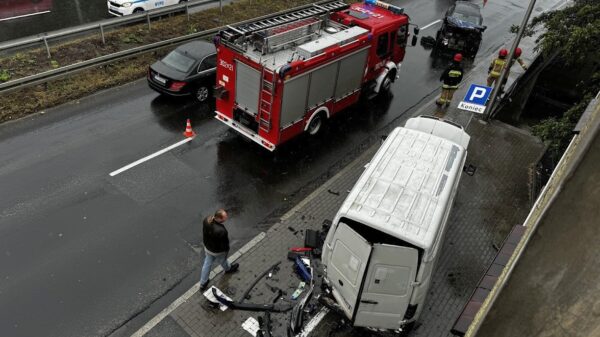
{"x": 188, "y": 130}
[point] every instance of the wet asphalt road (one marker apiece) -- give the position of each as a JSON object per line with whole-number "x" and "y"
{"x": 86, "y": 254}
{"x": 63, "y": 14}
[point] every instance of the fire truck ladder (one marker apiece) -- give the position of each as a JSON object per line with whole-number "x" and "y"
{"x": 233, "y": 32}
{"x": 266, "y": 99}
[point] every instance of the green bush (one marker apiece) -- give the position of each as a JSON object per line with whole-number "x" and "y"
{"x": 4, "y": 75}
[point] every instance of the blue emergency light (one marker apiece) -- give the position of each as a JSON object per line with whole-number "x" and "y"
{"x": 391, "y": 8}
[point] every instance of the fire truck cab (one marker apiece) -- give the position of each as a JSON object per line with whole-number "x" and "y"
{"x": 285, "y": 75}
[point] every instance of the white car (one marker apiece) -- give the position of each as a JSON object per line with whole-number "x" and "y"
{"x": 126, "y": 7}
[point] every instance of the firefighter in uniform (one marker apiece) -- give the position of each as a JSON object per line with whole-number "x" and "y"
{"x": 517, "y": 58}
{"x": 450, "y": 79}
{"x": 496, "y": 67}
{"x": 518, "y": 53}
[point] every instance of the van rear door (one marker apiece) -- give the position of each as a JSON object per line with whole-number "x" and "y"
{"x": 347, "y": 265}
{"x": 388, "y": 286}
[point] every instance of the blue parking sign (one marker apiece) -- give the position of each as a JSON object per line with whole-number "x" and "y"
{"x": 477, "y": 94}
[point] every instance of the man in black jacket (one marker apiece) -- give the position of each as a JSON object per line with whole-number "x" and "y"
{"x": 450, "y": 78}
{"x": 216, "y": 246}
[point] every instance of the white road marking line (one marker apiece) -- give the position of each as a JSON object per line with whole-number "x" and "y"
{"x": 186, "y": 296}
{"x": 431, "y": 24}
{"x": 166, "y": 311}
{"x": 24, "y": 16}
{"x": 155, "y": 154}
{"x": 312, "y": 324}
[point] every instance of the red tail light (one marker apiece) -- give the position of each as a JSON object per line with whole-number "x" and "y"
{"x": 176, "y": 85}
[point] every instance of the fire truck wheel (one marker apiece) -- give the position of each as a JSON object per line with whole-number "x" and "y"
{"x": 316, "y": 124}
{"x": 201, "y": 93}
{"x": 386, "y": 84}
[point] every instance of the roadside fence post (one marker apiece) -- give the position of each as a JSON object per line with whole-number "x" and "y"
{"x": 102, "y": 34}
{"x": 148, "y": 19}
{"x": 221, "y": 5}
{"x": 187, "y": 11}
{"x": 47, "y": 47}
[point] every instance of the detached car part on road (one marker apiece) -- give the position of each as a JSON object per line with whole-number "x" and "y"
{"x": 187, "y": 70}
{"x": 382, "y": 247}
{"x": 461, "y": 30}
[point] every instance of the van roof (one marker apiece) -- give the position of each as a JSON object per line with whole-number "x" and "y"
{"x": 407, "y": 187}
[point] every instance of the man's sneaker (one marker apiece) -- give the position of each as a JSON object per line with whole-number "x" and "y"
{"x": 203, "y": 286}
{"x": 233, "y": 268}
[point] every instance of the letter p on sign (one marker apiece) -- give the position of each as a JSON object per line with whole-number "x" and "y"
{"x": 477, "y": 94}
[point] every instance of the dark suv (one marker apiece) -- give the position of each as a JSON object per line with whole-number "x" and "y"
{"x": 461, "y": 30}
{"x": 187, "y": 70}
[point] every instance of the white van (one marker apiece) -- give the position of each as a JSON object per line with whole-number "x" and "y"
{"x": 382, "y": 246}
{"x": 126, "y": 7}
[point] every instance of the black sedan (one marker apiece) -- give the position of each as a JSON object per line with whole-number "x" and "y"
{"x": 187, "y": 70}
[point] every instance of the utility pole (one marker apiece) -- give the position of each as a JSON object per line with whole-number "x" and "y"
{"x": 509, "y": 61}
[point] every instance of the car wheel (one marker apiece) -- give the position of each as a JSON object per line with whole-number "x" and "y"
{"x": 202, "y": 93}
{"x": 316, "y": 124}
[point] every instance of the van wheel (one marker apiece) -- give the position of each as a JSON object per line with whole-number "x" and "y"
{"x": 138, "y": 10}
{"x": 407, "y": 328}
{"x": 202, "y": 93}
{"x": 316, "y": 124}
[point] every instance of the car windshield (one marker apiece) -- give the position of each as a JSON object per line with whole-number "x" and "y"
{"x": 465, "y": 13}
{"x": 466, "y": 17}
{"x": 179, "y": 61}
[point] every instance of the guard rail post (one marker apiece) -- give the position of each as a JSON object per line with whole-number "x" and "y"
{"x": 148, "y": 20}
{"x": 102, "y": 34}
{"x": 47, "y": 47}
{"x": 187, "y": 11}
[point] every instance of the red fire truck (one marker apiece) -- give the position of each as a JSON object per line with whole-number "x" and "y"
{"x": 282, "y": 76}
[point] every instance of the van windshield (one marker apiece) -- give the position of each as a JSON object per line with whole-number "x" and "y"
{"x": 179, "y": 61}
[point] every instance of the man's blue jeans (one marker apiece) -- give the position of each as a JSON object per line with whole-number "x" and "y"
{"x": 208, "y": 263}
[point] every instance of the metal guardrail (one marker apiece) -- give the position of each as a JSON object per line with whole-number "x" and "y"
{"x": 61, "y": 72}
{"x": 100, "y": 26}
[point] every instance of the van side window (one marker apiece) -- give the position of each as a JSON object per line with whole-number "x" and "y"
{"x": 382, "y": 45}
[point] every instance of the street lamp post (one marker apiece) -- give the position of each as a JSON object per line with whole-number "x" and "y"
{"x": 504, "y": 73}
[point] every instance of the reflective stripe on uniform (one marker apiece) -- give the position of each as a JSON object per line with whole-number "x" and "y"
{"x": 454, "y": 73}
{"x": 445, "y": 86}
{"x": 497, "y": 66}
